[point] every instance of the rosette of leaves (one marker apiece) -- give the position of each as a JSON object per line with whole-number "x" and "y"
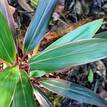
{"x": 18, "y": 85}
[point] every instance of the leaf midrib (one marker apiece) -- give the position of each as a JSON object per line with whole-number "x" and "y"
{"x": 38, "y": 26}
{"x": 71, "y": 53}
{"x": 20, "y": 78}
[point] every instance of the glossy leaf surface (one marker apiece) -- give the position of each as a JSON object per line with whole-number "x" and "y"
{"x": 70, "y": 54}
{"x": 8, "y": 82}
{"x": 42, "y": 98}
{"x": 39, "y": 24}
{"x": 83, "y": 32}
{"x": 7, "y": 45}
{"x": 23, "y": 96}
{"x": 73, "y": 91}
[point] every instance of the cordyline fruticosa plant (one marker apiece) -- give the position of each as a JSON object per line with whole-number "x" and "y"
{"x": 18, "y": 86}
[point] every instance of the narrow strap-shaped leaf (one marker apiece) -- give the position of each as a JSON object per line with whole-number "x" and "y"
{"x": 83, "y": 32}
{"x": 70, "y": 54}
{"x": 39, "y": 24}
{"x": 42, "y": 98}
{"x": 7, "y": 45}
{"x": 73, "y": 91}
{"x": 8, "y": 82}
{"x": 5, "y": 10}
{"x": 101, "y": 35}
{"x": 23, "y": 96}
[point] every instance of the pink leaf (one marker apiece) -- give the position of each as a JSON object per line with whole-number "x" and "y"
{"x": 8, "y": 11}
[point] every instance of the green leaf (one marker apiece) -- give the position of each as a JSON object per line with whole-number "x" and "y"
{"x": 73, "y": 91}
{"x": 90, "y": 76}
{"x": 70, "y": 54}
{"x": 34, "y": 3}
{"x": 7, "y": 45}
{"x": 101, "y": 35}
{"x": 83, "y": 32}
{"x": 42, "y": 98}
{"x": 38, "y": 25}
{"x": 23, "y": 96}
{"x": 8, "y": 82}
{"x": 37, "y": 73}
